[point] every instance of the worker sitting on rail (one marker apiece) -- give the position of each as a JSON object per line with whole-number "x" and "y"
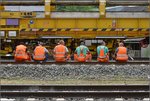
{"x": 21, "y": 54}
{"x": 102, "y": 53}
{"x": 41, "y": 54}
{"x": 82, "y": 53}
{"x": 60, "y": 52}
{"x": 121, "y": 53}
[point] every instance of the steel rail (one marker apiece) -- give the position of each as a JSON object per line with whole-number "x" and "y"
{"x": 103, "y": 91}
{"x": 80, "y": 2}
{"x": 80, "y": 63}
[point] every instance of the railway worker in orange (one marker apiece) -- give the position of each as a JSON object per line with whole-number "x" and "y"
{"x": 82, "y": 53}
{"x": 21, "y": 54}
{"x": 61, "y": 52}
{"x": 41, "y": 54}
{"x": 121, "y": 53}
{"x": 102, "y": 53}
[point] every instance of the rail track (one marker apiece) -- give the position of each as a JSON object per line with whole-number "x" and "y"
{"x": 10, "y": 60}
{"x": 99, "y": 91}
{"x": 77, "y": 63}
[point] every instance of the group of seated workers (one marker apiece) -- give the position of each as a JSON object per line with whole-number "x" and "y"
{"x": 61, "y": 53}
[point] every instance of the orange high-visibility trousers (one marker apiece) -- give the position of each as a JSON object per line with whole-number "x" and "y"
{"x": 23, "y": 59}
{"x": 62, "y": 59}
{"x": 89, "y": 57}
{"x": 82, "y": 58}
{"x": 103, "y": 59}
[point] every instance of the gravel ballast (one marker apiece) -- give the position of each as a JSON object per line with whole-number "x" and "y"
{"x": 78, "y": 72}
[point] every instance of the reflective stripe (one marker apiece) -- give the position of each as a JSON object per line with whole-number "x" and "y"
{"x": 39, "y": 56}
{"x": 121, "y": 55}
{"x": 19, "y": 55}
{"x": 60, "y": 52}
{"x": 81, "y": 57}
{"x": 59, "y": 56}
{"x": 102, "y": 57}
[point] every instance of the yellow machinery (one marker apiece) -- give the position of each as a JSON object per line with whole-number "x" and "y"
{"x": 18, "y": 25}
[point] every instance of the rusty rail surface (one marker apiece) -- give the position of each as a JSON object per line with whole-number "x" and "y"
{"x": 79, "y": 63}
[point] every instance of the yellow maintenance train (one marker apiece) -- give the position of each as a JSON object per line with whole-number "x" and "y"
{"x": 49, "y": 25}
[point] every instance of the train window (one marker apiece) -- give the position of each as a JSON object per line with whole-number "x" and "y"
{"x": 12, "y": 33}
{"x": 135, "y": 46}
{"x": 88, "y": 42}
{"x": 94, "y": 41}
{"x": 100, "y": 41}
{"x": 2, "y": 33}
{"x": 12, "y": 22}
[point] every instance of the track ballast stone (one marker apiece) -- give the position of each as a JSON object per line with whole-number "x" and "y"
{"x": 79, "y": 72}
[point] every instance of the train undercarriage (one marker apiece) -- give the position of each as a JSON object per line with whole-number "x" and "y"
{"x": 134, "y": 45}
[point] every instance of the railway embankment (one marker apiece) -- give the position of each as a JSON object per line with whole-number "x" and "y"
{"x": 75, "y": 73}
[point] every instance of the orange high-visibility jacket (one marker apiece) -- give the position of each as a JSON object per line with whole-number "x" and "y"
{"x": 20, "y": 53}
{"x": 122, "y": 54}
{"x": 39, "y": 53}
{"x": 102, "y": 57}
{"x": 60, "y": 51}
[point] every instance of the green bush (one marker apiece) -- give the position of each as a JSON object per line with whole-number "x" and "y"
{"x": 76, "y": 8}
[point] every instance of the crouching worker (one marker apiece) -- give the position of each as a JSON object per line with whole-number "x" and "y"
{"x": 82, "y": 53}
{"x": 103, "y": 53}
{"x": 60, "y": 52}
{"x": 21, "y": 54}
{"x": 121, "y": 53}
{"x": 41, "y": 54}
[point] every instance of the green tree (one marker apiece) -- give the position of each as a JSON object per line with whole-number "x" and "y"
{"x": 76, "y": 8}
